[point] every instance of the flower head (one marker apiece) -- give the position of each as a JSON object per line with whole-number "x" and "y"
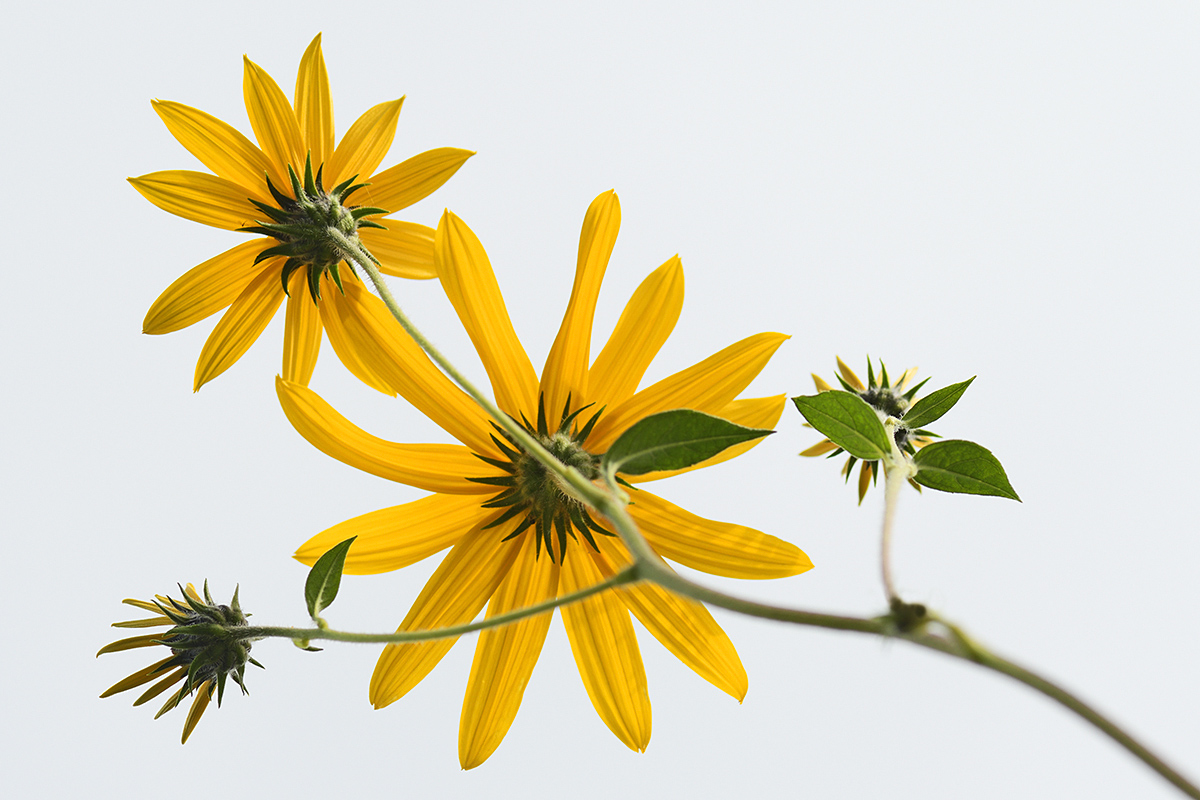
{"x": 277, "y": 189}
{"x": 203, "y": 653}
{"x": 515, "y": 539}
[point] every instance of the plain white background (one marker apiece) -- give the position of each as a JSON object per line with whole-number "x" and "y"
{"x": 1005, "y": 190}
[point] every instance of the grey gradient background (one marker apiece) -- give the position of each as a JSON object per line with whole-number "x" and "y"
{"x": 1002, "y": 189}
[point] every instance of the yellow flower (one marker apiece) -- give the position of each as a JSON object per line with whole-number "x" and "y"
{"x": 249, "y": 187}
{"x": 493, "y": 507}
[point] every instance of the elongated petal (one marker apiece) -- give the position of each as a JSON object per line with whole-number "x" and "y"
{"x": 144, "y": 675}
{"x": 708, "y": 386}
{"x": 647, "y": 321}
{"x": 434, "y": 467}
{"x": 683, "y": 626}
{"x": 753, "y": 412}
{"x": 820, "y": 448}
{"x": 274, "y": 123}
{"x": 718, "y": 548}
{"x": 378, "y": 341}
{"x": 413, "y": 180}
{"x": 395, "y": 537}
{"x": 606, "y": 652}
{"x": 219, "y": 146}
{"x": 301, "y": 331}
{"x": 505, "y": 657}
{"x": 352, "y": 357}
{"x": 566, "y": 371}
{"x": 454, "y": 595}
{"x": 365, "y": 144}
{"x": 241, "y": 325}
{"x": 405, "y": 249}
{"x": 199, "y": 197}
{"x": 205, "y": 289}
{"x": 146, "y": 640}
{"x": 314, "y": 106}
{"x": 203, "y": 696}
{"x": 471, "y": 286}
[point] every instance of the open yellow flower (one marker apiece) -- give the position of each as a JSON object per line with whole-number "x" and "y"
{"x": 252, "y": 186}
{"x": 494, "y": 508}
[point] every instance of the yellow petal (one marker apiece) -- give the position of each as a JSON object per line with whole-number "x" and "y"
{"x": 864, "y": 480}
{"x": 644, "y": 326}
{"x": 364, "y": 145}
{"x": 314, "y": 106}
{"x": 378, "y": 341}
{"x": 203, "y": 695}
{"x": 199, "y": 197}
{"x": 241, "y": 325}
{"x": 301, "y": 331}
{"x": 205, "y": 289}
{"x": 274, "y": 124}
{"x": 434, "y": 467}
{"x": 718, "y": 548}
{"x": 339, "y": 338}
{"x": 395, "y": 537}
{"x": 820, "y": 448}
{"x": 849, "y": 376}
{"x": 820, "y": 383}
{"x": 565, "y": 373}
{"x": 405, "y": 249}
{"x": 471, "y": 286}
{"x": 708, "y": 386}
{"x": 505, "y": 657}
{"x": 144, "y": 675}
{"x": 413, "y": 180}
{"x": 683, "y": 626}
{"x": 606, "y": 653}
{"x": 219, "y": 146}
{"x": 146, "y": 640}
{"x": 454, "y": 595}
{"x": 752, "y": 412}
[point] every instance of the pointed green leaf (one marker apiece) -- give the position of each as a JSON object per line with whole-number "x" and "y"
{"x": 933, "y": 406}
{"x": 962, "y": 467}
{"x": 848, "y": 421}
{"x": 674, "y": 440}
{"x": 325, "y": 577}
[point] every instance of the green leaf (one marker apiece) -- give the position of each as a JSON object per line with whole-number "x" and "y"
{"x": 961, "y": 467}
{"x": 674, "y": 440}
{"x": 848, "y": 421}
{"x": 935, "y": 405}
{"x": 325, "y": 577}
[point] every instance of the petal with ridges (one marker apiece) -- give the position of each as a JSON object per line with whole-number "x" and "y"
{"x": 454, "y": 595}
{"x": 392, "y": 538}
{"x": 241, "y": 325}
{"x": 434, "y": 467}
{"x": 363, "y": 147}
{"x": 219, "y": 146}
{"x": 352, "y": 358}
{"x": 606, "y": 653}
{"x": 647, "y": 321}
{"x": 505, "y": 657}
{"x": 566, "y": 370}
{"x": 314, "y": 106}
{"x": 205, "y": 289}
{"x": 718, "y": 548}
{"x": 470, "y": 284}
{"x": 199, "y": 197}
{"x": 404, "y": 250}
{"x": 301, "y": 331}
{"x": 413, "y": 180}
{"x": 274, "y": 123}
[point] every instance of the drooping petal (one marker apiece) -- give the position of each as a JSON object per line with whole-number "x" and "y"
{"x": 820, "y": 448}
{"x": 363, "y": 147}
{"x": 647, "y": 321}
{"x": 455, "y": 593}
{"x": 413, "y": 180}
{"x": 199, "y": 197}
{"x": 566, "y": 371}
{"x": 142, "y": 676}
{"x": 205, "y": 289}
{"x": 682, "y": 625}
{"x": 606, "y": 653}
{"x": 351, "y": 356}
{"x": 505, "y": 656}
{"x": 314, "y": 106}
{"x": 301, "y": 331}
{"x": 753, "y": 412}
{"x": 219, "y": 146}
{"x": 434, "y": 467}
{"x": 708, "y": 386}
{"x": 718, "y": 548}
{"x": 241, "y": 325}
{"x": 203, "y": 696}
{"x": 274, "y": 123}
{"x": 471, "y": 286}
{"x": 405, "y": 249}
{"x": 392, "y": 538}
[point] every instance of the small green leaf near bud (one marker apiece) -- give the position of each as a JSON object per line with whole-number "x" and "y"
{"x": 962, "y": 467}
{"x": 325, "y": 577}
{"x": 674, "y": 440}
{"x": 935, "y": 405}
{"x": 848, "y": 421}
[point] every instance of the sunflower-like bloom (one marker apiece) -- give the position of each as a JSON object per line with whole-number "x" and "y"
{"x": 888, "y": 400}
{"x": 257, "y": 189}
{"x": 515, "y": 538}
{"x": 203, "y": 654}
